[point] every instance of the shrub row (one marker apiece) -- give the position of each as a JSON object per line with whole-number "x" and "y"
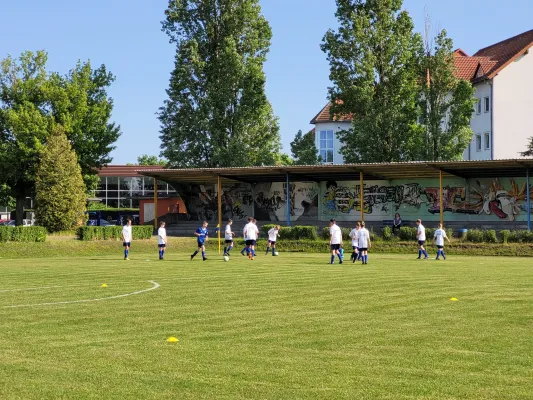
{"x": 293, "y": 232}
{"x": 113, "y": 232}
{"x": 22, "y": 234}
{"x": 409, "y": 233}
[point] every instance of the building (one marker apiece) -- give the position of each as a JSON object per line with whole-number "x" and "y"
{"x": 502, "y": 75}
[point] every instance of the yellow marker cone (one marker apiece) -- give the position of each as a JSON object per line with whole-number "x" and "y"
{"x": 172, "y": 339}
{"x": 103, "y": 285}
{"x": 453, "y": 299}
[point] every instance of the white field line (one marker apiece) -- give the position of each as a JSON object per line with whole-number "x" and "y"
{"x": 38, "y": 288}
{"x": 155, "y": 286}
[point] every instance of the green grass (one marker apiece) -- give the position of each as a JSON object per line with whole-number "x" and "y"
{"x": 291, "y": 327}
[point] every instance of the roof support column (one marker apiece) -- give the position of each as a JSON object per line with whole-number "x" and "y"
{"x": 362, "y": 196}
{"x": 528, "y": 201}
{"x": 219, "y": 202}
{"x": 155, "y": 203}
{"x": 288, "y": 191}
{"x": 441, "y": 199}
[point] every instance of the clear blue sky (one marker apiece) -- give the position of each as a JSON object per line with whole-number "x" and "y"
{"x": 126, "y": 36}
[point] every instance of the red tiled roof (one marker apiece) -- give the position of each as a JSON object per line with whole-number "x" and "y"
{"x": 125, "y": 170}
{"x": 467, "y": 67}
{"x": 325, "y": 116}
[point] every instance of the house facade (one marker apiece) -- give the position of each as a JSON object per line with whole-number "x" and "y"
{"x": 502, "y": 76}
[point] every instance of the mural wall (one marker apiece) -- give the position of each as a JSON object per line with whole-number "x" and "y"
{"x": 463, "y": 200}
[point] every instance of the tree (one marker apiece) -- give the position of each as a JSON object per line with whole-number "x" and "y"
{"x": 304, "y": 150}
{"x": 446, "y": 102}
{"x": 217, "y": 113}
{"x": 59, "y": 187}
{"x": 145, "y": 159}
{"x": 373, "y": 67}
{"x": 529, "y": 151}
{"x": 32, "y": 101}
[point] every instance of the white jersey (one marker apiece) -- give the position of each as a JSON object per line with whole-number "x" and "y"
{"x": 227, "y": 233}
{"x": 440, "y": 235}
{"x": 421, "y": 232}
{"x": 273, "y": 235}
{"x": 354, "y": 234}
{"x": 364, "y": 238}
{"x": 126, "y": 233}
{"x": 161, "y": 236}
{"x": 336, "y": 234}
{"x": 250, "y": 231}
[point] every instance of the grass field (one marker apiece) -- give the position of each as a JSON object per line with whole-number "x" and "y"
{"x": 291, "y": 327}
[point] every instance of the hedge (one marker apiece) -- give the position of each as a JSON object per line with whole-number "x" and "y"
{"x": 139, "y": 232}
{"x": 22, "y": 234}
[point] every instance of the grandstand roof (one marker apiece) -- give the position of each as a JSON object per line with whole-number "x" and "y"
{"x": 340, "y": 172}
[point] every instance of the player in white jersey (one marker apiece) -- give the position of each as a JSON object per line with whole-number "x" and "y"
{"x": 228, "y": 238}
{"x": 335, "y": 241}
{"x": 364, "y": 243}
{"x": 354, "y": 235}
{"x": 162, "y": 239}
{"x": 252, "y": 233}
{"x": 244, "y": 232}
{"x": 272, "y": 237}
{"x": 421, "y": 238}
{"x": 440, "y": 235}
{"x": 126, "y": 238}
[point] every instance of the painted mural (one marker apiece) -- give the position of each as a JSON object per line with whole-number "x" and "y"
{"x": 488, "y": 199}
{"x": 266, "y": 201}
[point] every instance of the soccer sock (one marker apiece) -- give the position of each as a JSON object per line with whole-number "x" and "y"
{"x": 160, "y": 253}
{"x": 194, "y": 254}
{"x": 419, "y": 253}
{"x": 442, "y": 252}
{"x": 225, "y": 249}
{"x": 203, "y": 254}
{"x": 125, "y": 253}
{"x": 332, "y": 259}
{"x": 268, "y": 249}
{"x": 253, "y": 253}
{"x": 340, "y": 256}
{"x": 229, "y": 248}
{"x": 425, "y": 253}
{"x": 366, "y": 258}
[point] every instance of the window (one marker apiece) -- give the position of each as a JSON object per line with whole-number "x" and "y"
{"x": 487, "y": 140}
{"x": 326, "y": 146}
{"x": 478, "y": 142}
{"x": 478, "y": 106}
{"x": 486, "y": 102}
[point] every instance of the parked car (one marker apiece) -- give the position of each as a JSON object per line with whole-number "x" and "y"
{"x": 25, "y": 222}
{"x": 103, "y": 222}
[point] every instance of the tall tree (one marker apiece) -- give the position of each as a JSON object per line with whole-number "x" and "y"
{"x": 373, "y": 67}
{"x": 59, "y": 187}
{"x": 217, "y": 113}
{"x": 33, "y": 100}
{"x": 446, "y": 102}
{"x": 146, "y": 159}
{"x": 304, "y": 150}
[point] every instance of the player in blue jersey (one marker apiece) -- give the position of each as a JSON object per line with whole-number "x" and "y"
{"x": 202, "y": 235}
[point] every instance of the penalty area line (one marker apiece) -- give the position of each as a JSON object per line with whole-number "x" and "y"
{"x": 154, "y": 283}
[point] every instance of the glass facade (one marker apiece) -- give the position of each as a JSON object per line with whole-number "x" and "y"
{"x": 124, "y": 192}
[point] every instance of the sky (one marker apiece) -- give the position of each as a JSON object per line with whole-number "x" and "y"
{"x": 126, "y": 36}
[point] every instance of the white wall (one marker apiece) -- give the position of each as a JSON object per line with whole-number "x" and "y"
{"x": 481, "y": 124}
{"x": 335, "y": 127}
{"x": 513, "y": 107}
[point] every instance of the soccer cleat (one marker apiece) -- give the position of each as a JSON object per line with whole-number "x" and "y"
{"x": 192, "y": 257}
{"x": 437, "y": 258}
{"x": 340, "y": 261}
{"x": 426, "y": 258}
{"x": 205, "y": 258}
{"x": 126, "y": 259}
{"x": 418, "y": 258}
{"x": 444, "y": 257}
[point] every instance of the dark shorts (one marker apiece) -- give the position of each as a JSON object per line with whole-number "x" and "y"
{"x": 250, "y": 243}
{"x": 126, "y": 244}
{"x": 227, "y": 241}
{"x": 272, "y": 242}
{"x": 201, "y": 244}
{"x": 161, "y": 245}
{"x": 335, "y": 246}
{"x": 421, "y": 242}
{"x": 363, "y": 249}
{"x": 355, "y": 248}
{"x": 440, "y": 247}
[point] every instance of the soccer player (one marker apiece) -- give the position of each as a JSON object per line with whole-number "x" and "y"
{"x": 335, "y": 240}
{"x": 244, "y": 234}
{"x": 272, "y": 236}
{"x": 364, "y": 242}
{"x": 126, "y": 239}
{"x": 355, "y": 242}
{"x": 202, "y": 236}
{"x": 421, "y": 237}
{"x": 440, "y": 235}
{"x": 251, "y": 234}
{"x": 162, "y": 239}
{"x": 228, "y": 236}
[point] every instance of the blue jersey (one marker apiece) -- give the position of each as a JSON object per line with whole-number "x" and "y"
{"x": 202, "y": 234}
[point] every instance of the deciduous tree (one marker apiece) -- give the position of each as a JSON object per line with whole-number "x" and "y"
{"x": 304, "y": 150}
